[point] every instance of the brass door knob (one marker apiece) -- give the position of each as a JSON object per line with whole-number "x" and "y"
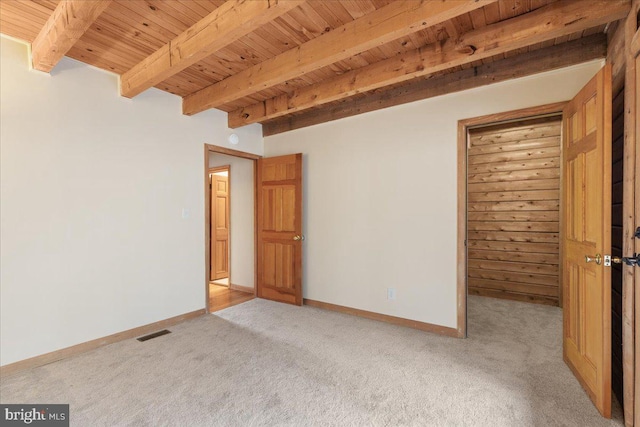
{"x": 298, "y": 237}
{"x": 597, "y": 259}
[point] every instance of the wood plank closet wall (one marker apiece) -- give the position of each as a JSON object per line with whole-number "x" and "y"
{"x": 513, "y": 177}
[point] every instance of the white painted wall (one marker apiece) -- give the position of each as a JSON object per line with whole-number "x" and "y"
{"x": 93, "y": 187}
{"x": 380, "y": 196}
{"x": 242, "y": 216}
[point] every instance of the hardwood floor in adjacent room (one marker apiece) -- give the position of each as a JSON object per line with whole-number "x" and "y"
{"x": 221, "y": 297}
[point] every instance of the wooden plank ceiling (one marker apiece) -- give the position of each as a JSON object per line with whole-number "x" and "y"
{"x": 269, "y": 60}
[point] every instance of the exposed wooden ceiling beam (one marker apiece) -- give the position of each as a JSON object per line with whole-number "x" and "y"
{"x": 538, "y": 61}
{"x": 389, "y": 23}
{"x": 554, "y": 20}
{"x": 229, "y": 22}
{"x": 65, "y": 26}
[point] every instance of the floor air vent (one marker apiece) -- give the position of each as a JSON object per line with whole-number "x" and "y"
{"x": 154, "y": 335}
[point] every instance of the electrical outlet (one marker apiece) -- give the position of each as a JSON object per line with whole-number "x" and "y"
{"x": 391, "y": 293}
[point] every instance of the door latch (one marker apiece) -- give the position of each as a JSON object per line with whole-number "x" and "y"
{"x": 630, "y": 261}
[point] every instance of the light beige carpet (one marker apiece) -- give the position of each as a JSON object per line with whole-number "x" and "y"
{"x": 264, "y": 363}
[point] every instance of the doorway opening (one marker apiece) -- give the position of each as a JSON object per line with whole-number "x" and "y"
{"x": 502, "y": 192}
{"x": 265, "y": 218}
{"x": 229, "y": 227}
{"x": 513, "y": 210}
{"x": 520, "y": 189}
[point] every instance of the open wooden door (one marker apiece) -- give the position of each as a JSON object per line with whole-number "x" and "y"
{"x": 219, "y": 227}
{"x": 279, "y": 218}
{"x": 586, "y": 238}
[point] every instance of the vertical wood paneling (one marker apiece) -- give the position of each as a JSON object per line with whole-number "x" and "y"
{"x": 513, "y": 210}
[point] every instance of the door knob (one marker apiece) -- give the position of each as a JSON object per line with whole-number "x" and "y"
{"x": 298, "y": 237}
{"x": 632, "y": 260}
{"x": 597, "y": 259}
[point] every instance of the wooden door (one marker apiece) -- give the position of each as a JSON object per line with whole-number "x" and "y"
{"x": 279, "y": 218}
{"x": 587, "y": 238}
{"x": 219, "y": 227}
